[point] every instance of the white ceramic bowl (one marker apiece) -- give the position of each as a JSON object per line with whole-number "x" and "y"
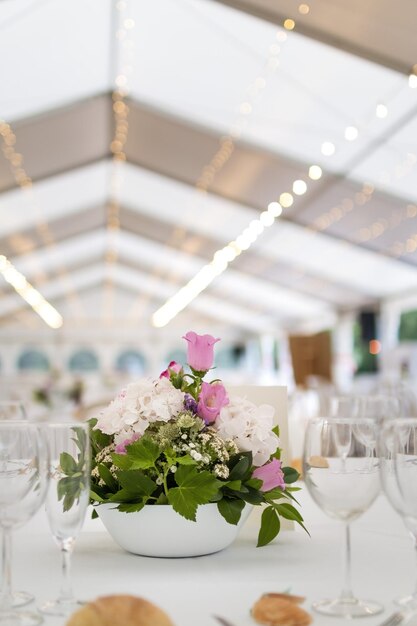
{"x": 159, "y": 531}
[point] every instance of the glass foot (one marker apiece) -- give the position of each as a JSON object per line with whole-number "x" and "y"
{"x": 61, "y": 607}
{"x": 409, "y": 602}
{"x": 20, "y": 598}
{"x": 20, "y": 618}
{"x": 348, "y": 608}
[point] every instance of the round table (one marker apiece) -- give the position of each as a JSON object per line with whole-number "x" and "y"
{"x": 192, "y": 590}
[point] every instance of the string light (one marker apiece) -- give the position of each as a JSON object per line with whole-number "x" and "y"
{"x": 25, "y": 182}
{"x": 315, "y": 172}
{"x": 351, "y": 133}
{"x": 412, "y": 81}
{"x": 381, "y": 111}
{"x": 328, "y": 148}
{"x": 31, "y": 295}
{"x": 217, "y": 266}
{"x": 124, "y": 32}
{"x": 225, "y": 255}
{"x": 299, "y": 187}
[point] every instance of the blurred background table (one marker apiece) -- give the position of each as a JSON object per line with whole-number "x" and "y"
{"x": 228, "y": 583}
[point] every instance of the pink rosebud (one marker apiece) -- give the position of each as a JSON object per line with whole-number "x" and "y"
{"x": 200, "y": 351}
{"x": 211, "y": 400}
{"x": 121, "y": 447}
{"x": 173, "y": 367}
{"x": 271, "y": 475}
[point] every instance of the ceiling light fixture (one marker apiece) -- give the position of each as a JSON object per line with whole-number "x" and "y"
{"x": 315, "y": 172}
{"x": 299, "y": 187}
{"x": 351, "y": 133}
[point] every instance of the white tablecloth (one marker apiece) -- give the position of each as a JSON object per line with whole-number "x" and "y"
{"x": 227, "y": 583}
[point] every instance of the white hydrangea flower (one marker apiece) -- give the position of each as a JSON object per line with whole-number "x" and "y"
{"x": 138, "y": 405}
{"x": 249, "y": 427}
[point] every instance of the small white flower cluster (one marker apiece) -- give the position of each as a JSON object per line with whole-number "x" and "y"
{"x": 139, "y": 405}
{"x": 104, "y": 456}
{"x": 250, "y": 427}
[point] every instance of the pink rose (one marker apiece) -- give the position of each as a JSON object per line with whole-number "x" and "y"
{"x": 271, "y": 475}
{"x": 211, "y": 400}
{"x": 121, "y": 447}
{"x": 200, "y": 351}
{"x": 173, "y": 367}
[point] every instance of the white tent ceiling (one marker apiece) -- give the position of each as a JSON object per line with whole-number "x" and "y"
{"x": 204, "y": 71}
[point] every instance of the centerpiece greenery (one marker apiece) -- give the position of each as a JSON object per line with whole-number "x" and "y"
{"x": 181, "y": 441}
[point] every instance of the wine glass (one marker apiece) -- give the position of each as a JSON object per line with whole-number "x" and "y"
{"x": 397, "y": 446}
{"x": 344, "y": 484}
{"x": 23, "y": 481}
{"x": 67, "y": 500}
{"x": 14, "y": 410}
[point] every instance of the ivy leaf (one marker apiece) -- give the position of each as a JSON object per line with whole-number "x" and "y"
{"x": 270, "y": 526}
{"x": 231, "y": 510}
{"x": 290, "y": 475}
{"x": 136, "y": 483}
{"x": 194, "y": 488}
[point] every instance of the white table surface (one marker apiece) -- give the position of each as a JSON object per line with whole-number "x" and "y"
{"x": 192, "y": 590}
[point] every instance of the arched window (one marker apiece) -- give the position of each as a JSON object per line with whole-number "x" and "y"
{"x": 33, "y": 360}
{"x": 180, "y": 356}
{"x": 130, "y": 362}
{"x": 83, "y": 361}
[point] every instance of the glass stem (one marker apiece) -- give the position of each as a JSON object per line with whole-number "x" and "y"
{"x": 346, "y": 595}
{"x": 66, "y": 594}
{"x": 414, "y": 595}
{"x": 6, "y": 571}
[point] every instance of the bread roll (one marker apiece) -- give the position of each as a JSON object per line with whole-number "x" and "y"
{"x": 278, "y": 610}
{"x": 120, "y": 611}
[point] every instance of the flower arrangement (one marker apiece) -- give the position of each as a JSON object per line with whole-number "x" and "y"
{"x": 182, "y": 441}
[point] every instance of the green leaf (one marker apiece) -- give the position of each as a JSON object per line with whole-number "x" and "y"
{"x": 162, "y": 499}
{"x": 185, "y": 460}
{"x": 242, "y": 467}
{"x": 290, "y": 475}
{"x": 107, "y": 477}
{"x": 133, "y": 507}
{"x": 274, "y": 494}
{"x": 122, "y": 461}
{"x": 137, "y": 483}
{"x": 270, "y": 526}
{"x": 234, "y": 485}
{"x": 231, "y": 510}
{"x": 253, "y": 496}
{"x": 94, "y": 514}
{"x": 123, "y": 495}
{"x": 68, "y": 463}
{"x": 255, "y": 483}
{"x": 194, "y": 488}
{"x": 289, "y": 512}
{"x": 95, "y": 497}
{"x": 142, "y": 453}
